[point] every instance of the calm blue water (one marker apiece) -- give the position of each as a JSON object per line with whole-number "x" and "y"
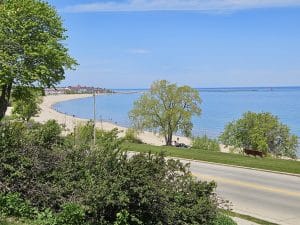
{"x": 219, "y": 106}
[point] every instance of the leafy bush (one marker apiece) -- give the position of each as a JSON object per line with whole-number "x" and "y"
{"x": 223, "y": 219}
{"x": 262, "y": 132}
{"x": 47, "y": 217}
{"x": 49, "y": 134}
{"x": 100, "y": 185}
{"x": 72, "y": 214}
{"x": 206, "y": 144}
{"x": 124, "y": 218}
{"x": 12, "y": 204}
{"x": 26, "y": 102}
{"x": 28, "y": 162}
{"x": 83, "y": 136}
{"x": 131, "y": 136}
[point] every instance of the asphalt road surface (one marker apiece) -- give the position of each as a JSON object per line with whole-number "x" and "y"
{"x": 269, "y": 196}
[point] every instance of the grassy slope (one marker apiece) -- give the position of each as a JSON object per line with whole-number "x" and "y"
{"x": 13, "y": 221}
{"x": 280, "y": 165}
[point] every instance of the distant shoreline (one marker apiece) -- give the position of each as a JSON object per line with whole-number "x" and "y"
{"x": 222, "y": 88}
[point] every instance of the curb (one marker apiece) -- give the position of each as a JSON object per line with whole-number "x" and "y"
{"x": 234, "y": 166}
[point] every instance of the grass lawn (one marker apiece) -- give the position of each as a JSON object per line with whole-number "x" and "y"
{"x": 279, "y": 165}
{"x": 248, "y": 218}
{"x": 12, "y": 221}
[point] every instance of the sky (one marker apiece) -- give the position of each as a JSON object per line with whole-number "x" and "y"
{"x": 201, "y": 43}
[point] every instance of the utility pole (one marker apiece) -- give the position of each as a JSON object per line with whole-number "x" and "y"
{"x": 101, "y": 122}
{"x": 94, "y": 95}
{"x": 74, "y": 125}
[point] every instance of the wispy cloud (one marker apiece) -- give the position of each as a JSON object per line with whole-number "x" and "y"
{"x": 139, "y": 51}
{"x": 178, "y": 5}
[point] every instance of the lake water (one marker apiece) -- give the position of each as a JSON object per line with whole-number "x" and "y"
{"x": 219, "y": 106}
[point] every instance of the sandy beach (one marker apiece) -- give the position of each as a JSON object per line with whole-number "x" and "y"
{"x": 48, "y": 113}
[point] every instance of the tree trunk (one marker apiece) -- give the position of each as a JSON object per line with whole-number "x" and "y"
{"x": 168, "y": 139}
{"x": 4, "y": 98}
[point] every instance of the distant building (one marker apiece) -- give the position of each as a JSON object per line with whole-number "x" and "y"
{"x": 55, "y": 91}
{"x": 76, "y": 90}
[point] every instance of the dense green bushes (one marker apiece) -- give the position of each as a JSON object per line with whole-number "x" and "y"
{"x": 206, "y": 144}
{"x": 73, "y": 182}
{"x": 262, "y": 132}
{"x": 28, "y": 159}
{"x": 132, "y": 136}
{"x": 12, "y": 204}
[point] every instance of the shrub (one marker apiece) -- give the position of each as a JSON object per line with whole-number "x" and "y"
{"x": 12, "y": 204}
{"x": 49, "y": 134}
{"x": 72, "y": 214}
{"x": 151, "y": 189}
{"x": 131, "y": 136}
{"x": 124, "y": 218}
{"x": 26, "y": 102}
{"x": 47, "y": 217}
{"x": 84, "y": 134}
{"x": 206, "y": 144}
{"x": 28, "y": 163}
{"x": 101, "y": 184}
{"x": 262, "y": 132}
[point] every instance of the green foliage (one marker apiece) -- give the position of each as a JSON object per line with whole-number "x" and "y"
{"x": 100, "y": 185}
{"x": 26, "y": 102}
{"x": 144, "y": 189}
{"x": 166, "y": 109}
{"x": 49, "y": 134}
{"x": 14, "y": 221}
{"x": 206, "y": 144}
{"x": 28, "y": 161}
{"x": 12, "y": 204}
{"x": 263, "y": 132}
{"x": 72, "y": 214}
{"x": 124, "y": 218}
{"x": 47, "y": 217}
{"x": 223, "y": 219}
{"x": 32, "y": 49}
{"x": 82, "y": 137}
{"x": 131, "y": 136}
{"x": 153, "y": 191}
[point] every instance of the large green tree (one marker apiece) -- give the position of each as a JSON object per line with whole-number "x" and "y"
{"x": 263, "y": 132}
{"x": 166, "y": 109}
{"x": 32, "y": 52}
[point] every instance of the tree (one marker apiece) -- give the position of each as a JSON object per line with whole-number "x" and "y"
{"x": 32, "y": 52}
{"x": 166, "y": 109}
{"x": 26, "y": 106}
{"x": 262, "y": 132}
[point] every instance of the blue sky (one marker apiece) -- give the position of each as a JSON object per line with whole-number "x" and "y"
{"x": 202, "y": 43}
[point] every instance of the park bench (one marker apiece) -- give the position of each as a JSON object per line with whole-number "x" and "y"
{"x": 253, "y": 152}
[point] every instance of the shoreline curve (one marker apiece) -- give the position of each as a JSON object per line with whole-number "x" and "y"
{"x": 48, "y": 113}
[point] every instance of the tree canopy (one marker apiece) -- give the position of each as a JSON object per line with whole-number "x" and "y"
{"x": 32, "y": 52}
{"x": 166, "y": 109}
{"x": 263, "y": 132}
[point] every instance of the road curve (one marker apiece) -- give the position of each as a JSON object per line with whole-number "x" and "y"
{"x": 269, "y": 196}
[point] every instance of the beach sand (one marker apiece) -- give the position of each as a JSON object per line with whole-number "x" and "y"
{"x": 69, "y": 121}
{"x": 48, "y": 113}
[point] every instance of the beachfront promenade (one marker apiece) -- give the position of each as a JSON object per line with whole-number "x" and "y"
{"x": 270, "y": 196}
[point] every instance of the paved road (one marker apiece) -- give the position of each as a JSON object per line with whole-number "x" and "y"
{"x": 270, "y": 196}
